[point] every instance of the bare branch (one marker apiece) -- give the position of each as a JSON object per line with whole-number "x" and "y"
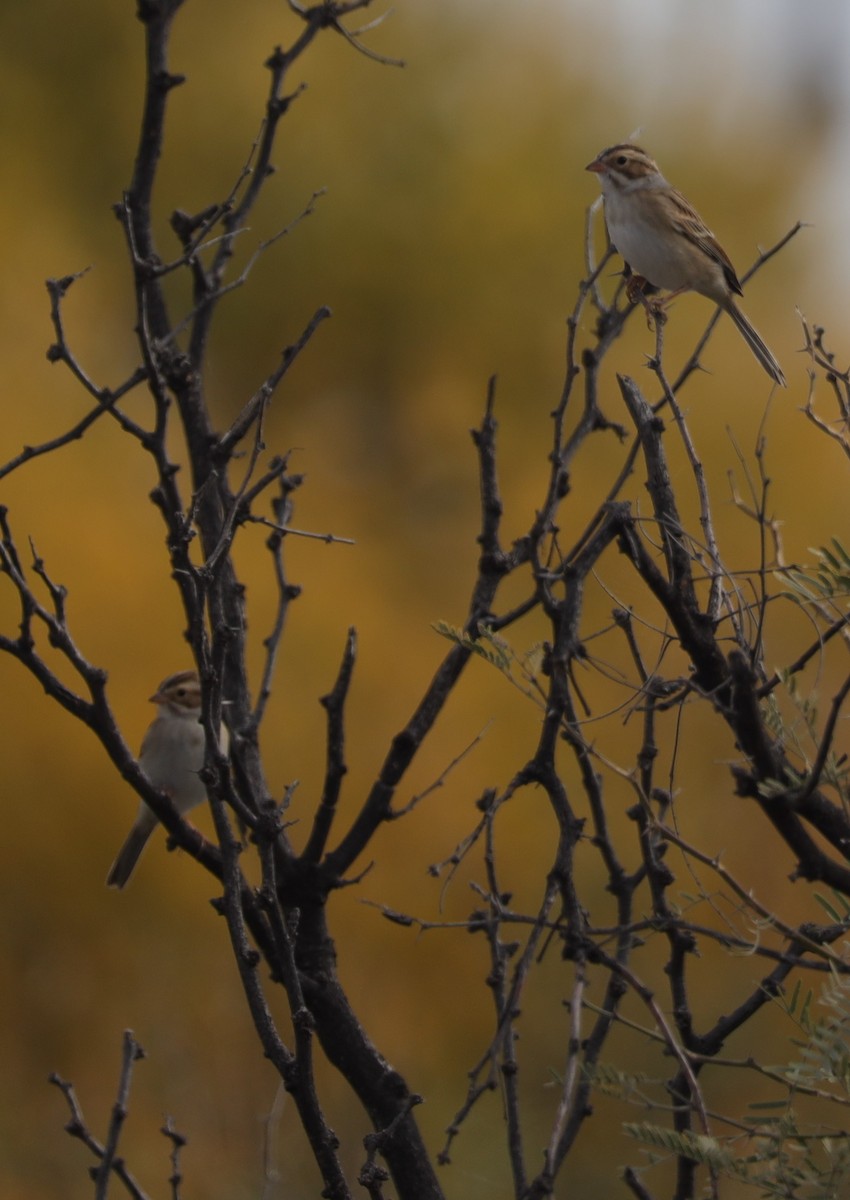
{"x": 106, "y": 1153}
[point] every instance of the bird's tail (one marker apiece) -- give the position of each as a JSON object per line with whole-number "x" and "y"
{"x": 755, "y": 343}
{"x": 128, "y": 855}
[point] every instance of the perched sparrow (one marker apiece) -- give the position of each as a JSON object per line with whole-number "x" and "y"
{"x": 665, "y": 241}
{"x": 172, "y": 756}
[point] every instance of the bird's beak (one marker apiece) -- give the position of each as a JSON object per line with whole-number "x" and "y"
{"x": 596, "y": 167}
{"x": 156, "y": 698}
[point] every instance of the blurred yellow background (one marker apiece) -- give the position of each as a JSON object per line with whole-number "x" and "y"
{"x": 449, "y": 245}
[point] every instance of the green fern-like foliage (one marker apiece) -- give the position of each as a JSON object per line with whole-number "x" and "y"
{"x": 824, "y": 592}
{"x": 621, "y": 1085}
{"x": 784, "y": 1157}
{"x": 830, "y": 580}
{"x": 520, "y": 670}
{"x": 825, "y": 1051}
{"x": 700, "y": 1148}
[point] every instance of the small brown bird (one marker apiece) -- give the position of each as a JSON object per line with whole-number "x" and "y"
{"x": 664, "y": 240}
{"x": 172, "y": 756}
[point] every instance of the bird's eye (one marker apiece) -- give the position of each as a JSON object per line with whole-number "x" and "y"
{"x": 621, "y": 160}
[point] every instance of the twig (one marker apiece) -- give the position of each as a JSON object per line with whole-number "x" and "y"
{"x": 335, "y": 769}
{"x": 257, "y": 404}
{"x": 177, "y": 1143}
{"x": 106, "y": 1153}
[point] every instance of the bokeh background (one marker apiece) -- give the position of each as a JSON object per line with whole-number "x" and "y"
{"x": 449, "y": 244}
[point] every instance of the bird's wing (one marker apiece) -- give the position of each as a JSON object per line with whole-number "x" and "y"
{"x": 691, "y": 225}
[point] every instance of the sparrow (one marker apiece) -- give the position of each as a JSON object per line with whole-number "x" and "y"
{"x": 172, "y": 756}
{"x": 665, "y": 242}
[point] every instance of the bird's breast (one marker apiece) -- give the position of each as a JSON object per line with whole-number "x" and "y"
{"x": 660, "y": 256}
